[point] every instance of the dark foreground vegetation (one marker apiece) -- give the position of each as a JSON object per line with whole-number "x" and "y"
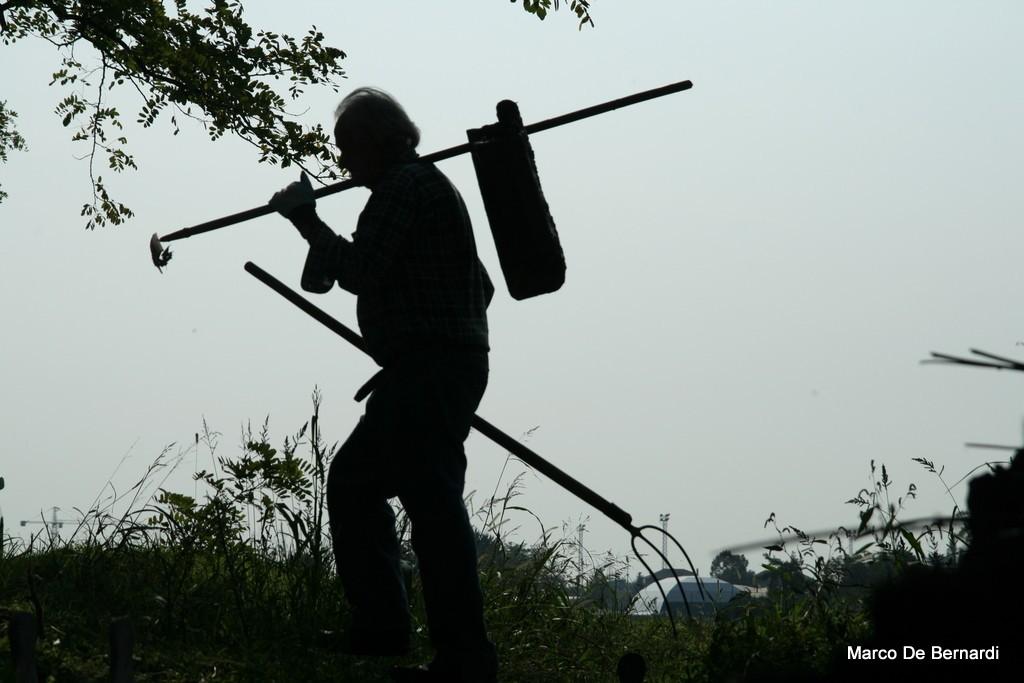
{"x": 237, "y": 584}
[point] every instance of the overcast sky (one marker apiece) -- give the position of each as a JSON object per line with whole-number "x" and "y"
{"x": 755, "y": 266}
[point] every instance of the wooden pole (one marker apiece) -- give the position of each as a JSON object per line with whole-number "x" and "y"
{"x": 547, "y": 124}
{"x": 612, "y": 511}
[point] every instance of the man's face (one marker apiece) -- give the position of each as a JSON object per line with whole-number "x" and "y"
{"x": 357, "y": 154}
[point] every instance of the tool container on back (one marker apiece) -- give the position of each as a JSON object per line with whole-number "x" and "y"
{"x": 524, "y": 233}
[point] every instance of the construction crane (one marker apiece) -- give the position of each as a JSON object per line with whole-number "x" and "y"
{"x": 53, "y": 525}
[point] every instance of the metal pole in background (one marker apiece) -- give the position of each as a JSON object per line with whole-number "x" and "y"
{"x": 52, "y": 525}
{"x": 664, "y": 540}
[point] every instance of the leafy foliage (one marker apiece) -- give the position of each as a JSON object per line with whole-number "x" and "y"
{"x": 242, "y": 580}
{"x": 210, "y": 66}
{"x": 238, "y": 584}
{"x": 731, "y": 567}
{"x": 540, "y": 8}
{"x": 10, "y": 139}
{"x": 830, "y": 568}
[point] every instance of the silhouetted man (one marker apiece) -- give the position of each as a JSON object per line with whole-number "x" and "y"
{"x": 422, "y": 299}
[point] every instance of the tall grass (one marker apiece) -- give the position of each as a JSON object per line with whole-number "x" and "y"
{"x": 238, "y": 583}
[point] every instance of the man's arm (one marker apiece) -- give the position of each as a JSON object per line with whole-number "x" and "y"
{"x": 361, "y": 264}
{"x": 384, "y": 224}
{"x": 298, "y": 204}
{"x": 318, "y": 273}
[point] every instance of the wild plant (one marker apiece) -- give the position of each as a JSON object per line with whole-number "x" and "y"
{"x": 239, "y": 575}
{"x": 260, "y": 531}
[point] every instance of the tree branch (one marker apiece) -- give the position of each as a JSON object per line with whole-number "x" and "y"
{"x": 96, "y": 126}
{"x": 6, "y": 6}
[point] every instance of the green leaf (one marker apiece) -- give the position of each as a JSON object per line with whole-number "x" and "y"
{"x": 865, "y": 517}
{"x": 914, "y": 543}
{"x": 863, "y": 549}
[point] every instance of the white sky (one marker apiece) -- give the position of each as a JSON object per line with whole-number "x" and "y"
{"x": 755, "y": 267}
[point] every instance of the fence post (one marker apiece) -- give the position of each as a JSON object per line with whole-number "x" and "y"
{"x": 23, "y": 647}
{"x": 122, "y": 640}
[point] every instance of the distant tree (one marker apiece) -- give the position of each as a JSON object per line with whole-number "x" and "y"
{"x": 501, "y": 553}
{"x": 607, "y": 590}
{"x": 783, "y": 576}
{"x": 208, "y": 65}
{"x": 731, "y": 567}
{"x": 869, "y": 570}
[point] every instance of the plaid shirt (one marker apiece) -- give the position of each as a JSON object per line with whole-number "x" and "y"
{"x": 412, "y": 263}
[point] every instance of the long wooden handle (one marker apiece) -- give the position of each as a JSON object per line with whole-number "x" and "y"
{"x": 612, "y": 511}
{"x": 448, "y": 153}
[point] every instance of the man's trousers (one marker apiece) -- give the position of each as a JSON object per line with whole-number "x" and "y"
{"x": 409, "y": 444}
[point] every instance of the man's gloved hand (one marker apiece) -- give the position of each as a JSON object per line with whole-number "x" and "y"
{"x": 296, "y": 195}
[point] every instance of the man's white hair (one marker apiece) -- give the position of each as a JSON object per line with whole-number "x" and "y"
{"x": 377, "y": 115}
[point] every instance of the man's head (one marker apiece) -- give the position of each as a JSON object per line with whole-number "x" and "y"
{"x": 373, "y": 132}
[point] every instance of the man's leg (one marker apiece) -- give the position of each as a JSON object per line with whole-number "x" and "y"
{"x": 366, "y": 548}
{"x": 444, "y": 542}
{"x": 445, "y": 549}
